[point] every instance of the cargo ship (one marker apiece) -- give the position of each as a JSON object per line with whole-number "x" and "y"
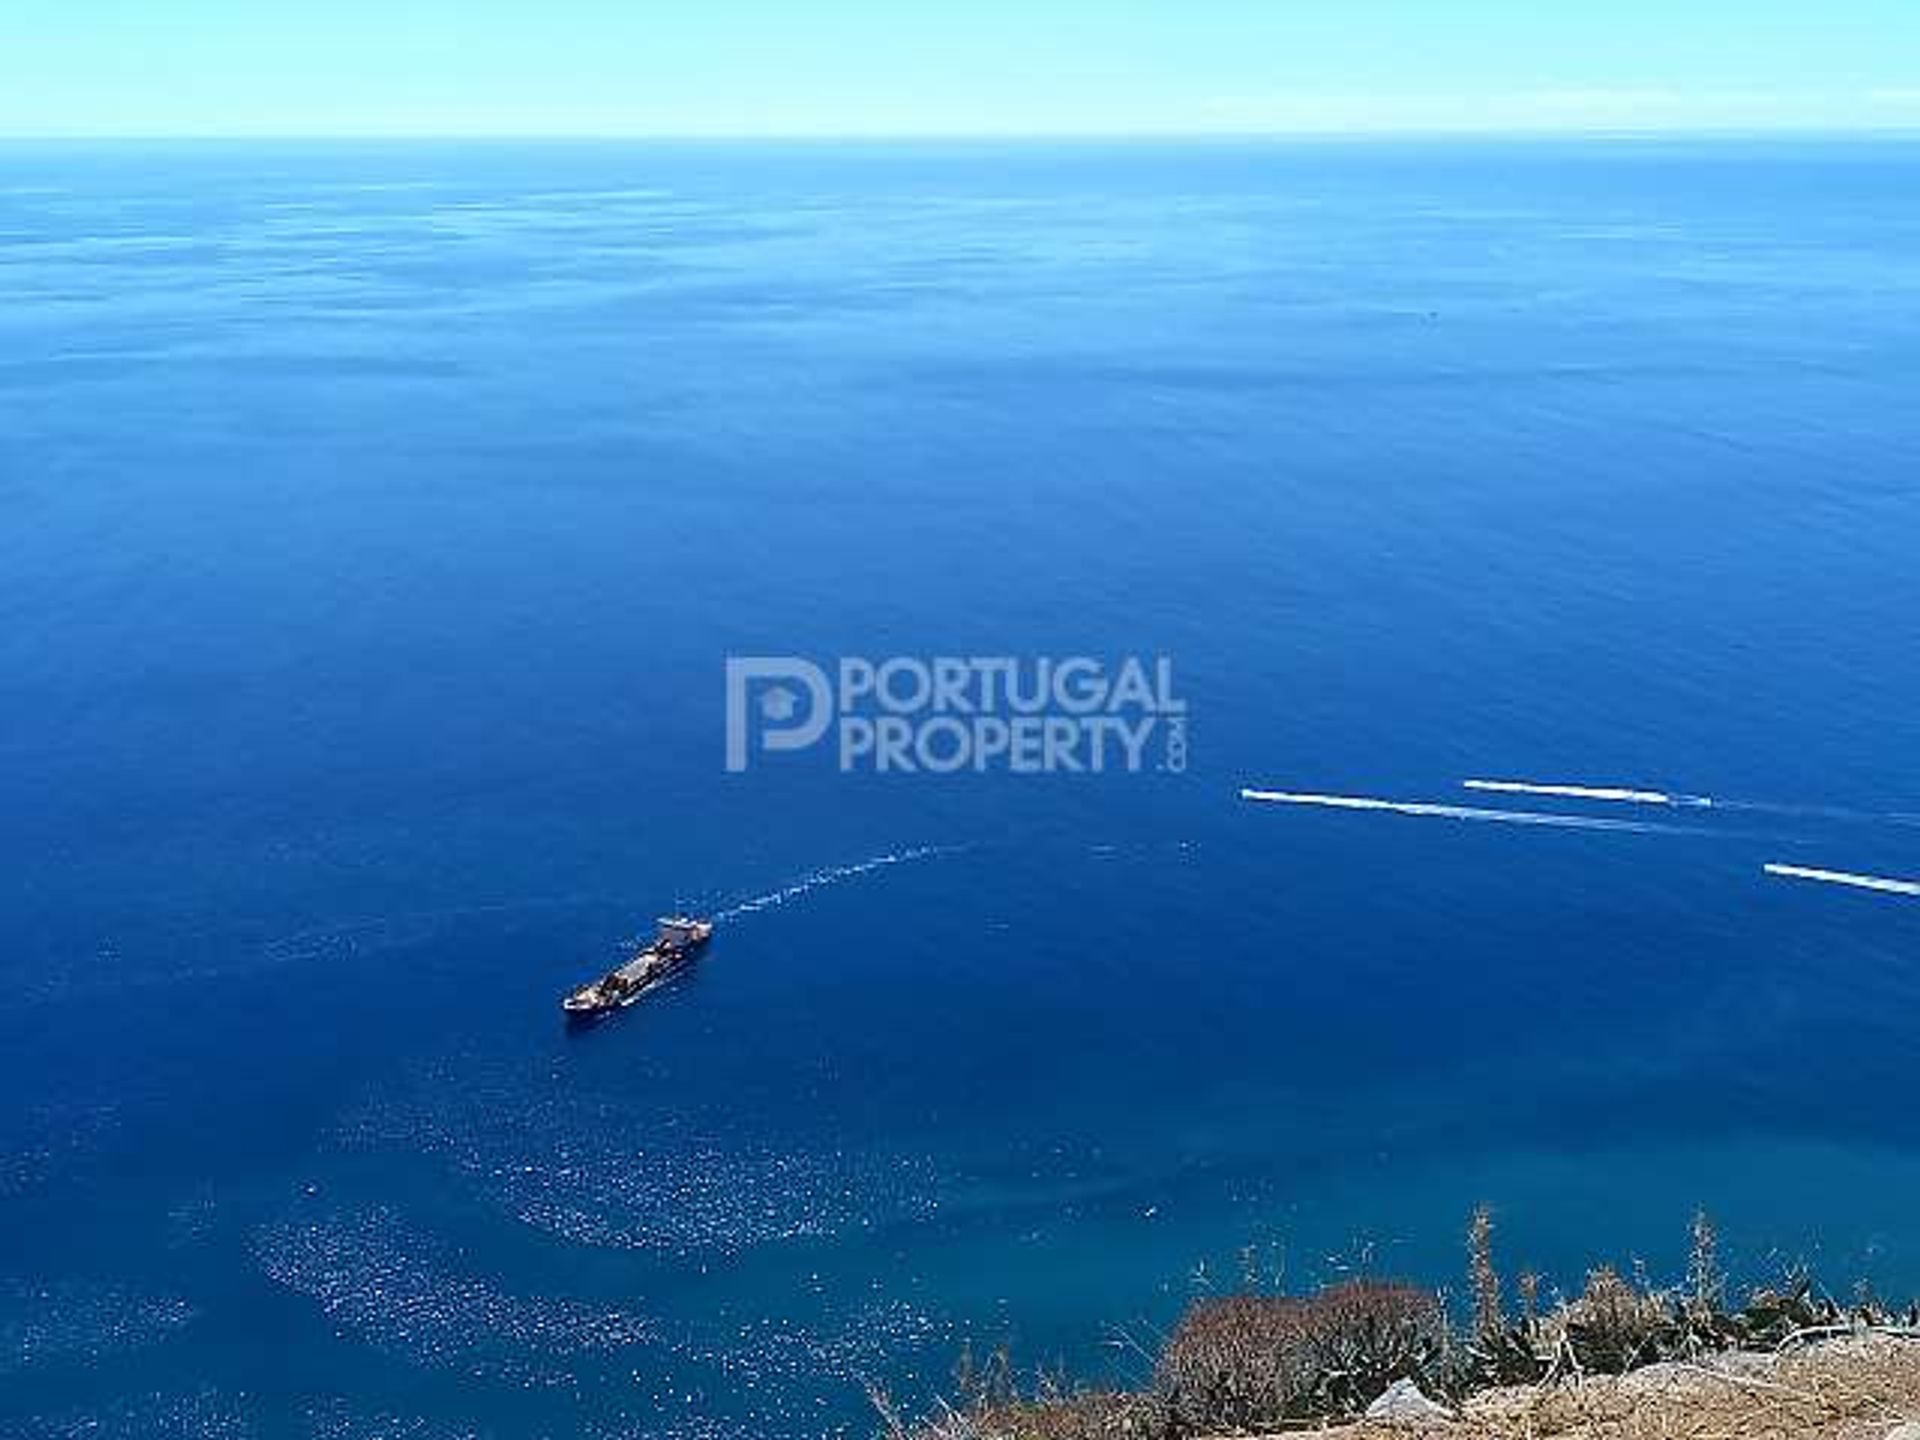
{"x": 673, "y": 948}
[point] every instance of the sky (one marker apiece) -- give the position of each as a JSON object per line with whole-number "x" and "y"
{"x": 952, "y": 67}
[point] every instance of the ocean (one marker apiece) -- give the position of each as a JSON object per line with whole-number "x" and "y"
{"x": 380, "y": 519}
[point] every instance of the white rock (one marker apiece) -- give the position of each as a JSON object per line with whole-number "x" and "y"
{"x": 1909, "y": 1431}
{"x": 1403, "y": 1404}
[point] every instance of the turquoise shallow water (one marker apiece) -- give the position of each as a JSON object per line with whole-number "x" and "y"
{"x": 380, "y": 519}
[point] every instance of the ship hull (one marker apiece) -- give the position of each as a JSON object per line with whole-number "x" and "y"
{"x": 652, "y": 968}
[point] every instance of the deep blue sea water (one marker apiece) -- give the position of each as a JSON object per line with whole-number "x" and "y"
{"x": 378, "y": 520}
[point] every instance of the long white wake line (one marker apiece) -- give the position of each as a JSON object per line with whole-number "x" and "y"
{"x": 1611, "y": 794}
{"x": 1461, "y": 812}
{"x": 1843, "y": 877}
{"x": 1630, "y": 795}
{"x": 832, "y": 875}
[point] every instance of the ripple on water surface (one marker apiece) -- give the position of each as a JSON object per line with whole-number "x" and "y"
{"x": 81, "y": 1321}
{"x": 393, "y": 1286}
{"x": 202, "y": 1415}
{"x": 603, "y": 1170}
{"x": 340, "y": 1420}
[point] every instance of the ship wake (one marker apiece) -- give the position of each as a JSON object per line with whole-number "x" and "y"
{"x": 1633, "y": 795}
{"x": 1847, "y": 878}
{"x": 832, "y": 875}
{"x": 1606, "y": 794}
{"x": 1469, "y": 813}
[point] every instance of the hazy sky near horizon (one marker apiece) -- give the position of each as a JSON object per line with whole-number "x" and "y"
{"x": 897, "y": 67}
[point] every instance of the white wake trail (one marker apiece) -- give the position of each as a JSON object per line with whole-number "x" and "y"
{"x": 832, "y": 875}
{"x": 1460, "y": 812}
{"x": 1633, "y": 795}
{"x": 1842, "y": 877}
{"x": 1610, "y": 794}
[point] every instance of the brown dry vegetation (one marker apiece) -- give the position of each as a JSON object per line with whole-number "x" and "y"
{"x": 1856, "y": 1388}
{"x": 1622, "y": 1360}
{"x": 1847, "y": 1388}
{"x": 1247, "y": 1360}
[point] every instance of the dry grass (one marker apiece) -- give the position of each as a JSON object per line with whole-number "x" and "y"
{"x": 1853, "y": 1388}
{"x": 1092, "y": 1415}
{"x": 1623, "y": 1360}
{"x": 1612, "y": 1327}
{"x": 1847, "y": 1389}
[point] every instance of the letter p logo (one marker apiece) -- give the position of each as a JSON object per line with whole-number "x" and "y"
{"x": 789, "y": 696}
